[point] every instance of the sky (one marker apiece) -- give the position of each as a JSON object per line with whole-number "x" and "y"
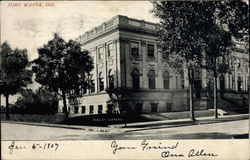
{"x": 31, "y": 27}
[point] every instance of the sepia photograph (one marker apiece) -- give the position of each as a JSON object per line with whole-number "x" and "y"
{"x": 123, "y": 77}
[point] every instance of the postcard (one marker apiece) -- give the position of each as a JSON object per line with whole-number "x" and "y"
{"x": 124, "y": 80}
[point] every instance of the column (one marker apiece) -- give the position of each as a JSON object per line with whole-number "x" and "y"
{"x": 226, "y": 78}
{"x": 204, "y": 79}
{"x": 96, "y": 70}
{"x": 105, "y": 76}
{"x": 236, "y": 77}
{"x": 117, "y": 62}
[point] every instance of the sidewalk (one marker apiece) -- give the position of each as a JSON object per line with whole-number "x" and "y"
{"x": 130, "y": 127}
{"x": 177, "y": 123}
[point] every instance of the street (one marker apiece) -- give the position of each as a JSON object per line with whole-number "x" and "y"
{"x": 222, "y": 130}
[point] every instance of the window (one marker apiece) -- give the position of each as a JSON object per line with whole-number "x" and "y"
{"x": 151, "y": 51}
{"x": 154, "y": 107}
{"x": 92, "y": 84}
{"x": 168, "y": 107}
{"x": 111, "y": 80}
{"x": 110, "y": 49}
{"x": 151, "y": 79}
{"x": 138, "y": 108}
{"x": 135, "y": 49}
{"x": 166, "y": 80}
{"x": 91, "y": 109}
{"x": 101, "y": 82}
{"x": 83, "y": 109}
{"x": 99, "y": 109}
{"x": 135, "y": 79}
{"x": 100, "y": 53}
{"x": 110, "y": 108}
{"x": 239, "y": 84}
{"x": 92, "y": 87}
{"x": 182, "y": 81}
{"x": 76, "y": 110}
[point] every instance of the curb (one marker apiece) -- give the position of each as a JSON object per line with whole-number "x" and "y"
{"x": 169, "y": 122}
{"x": 86, "y": 128}
{"x": 144, "y": 125}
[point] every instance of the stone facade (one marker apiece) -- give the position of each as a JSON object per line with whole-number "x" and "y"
{"x": 127, "y": 56}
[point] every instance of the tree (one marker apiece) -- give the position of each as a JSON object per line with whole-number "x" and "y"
{"x": 194, "y": 30}
{"x": 230, "y": 20}
{"x": 14, "y": 74}
{"x": 183, "y": 25}
{"x": 217, "y": 51}
{"x": 62, "y": 67}
{"x": 41, "y": 101}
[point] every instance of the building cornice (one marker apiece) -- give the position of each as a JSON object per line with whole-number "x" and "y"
{"x": 119, "y": 23}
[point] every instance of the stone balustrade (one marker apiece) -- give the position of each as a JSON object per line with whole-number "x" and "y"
{"x": 118, "y": 21}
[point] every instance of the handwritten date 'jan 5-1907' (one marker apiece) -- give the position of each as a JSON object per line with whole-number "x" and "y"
{"x": 34, "y": 146}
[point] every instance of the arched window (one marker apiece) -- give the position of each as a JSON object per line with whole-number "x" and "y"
{"x": 111, "y": 80}
{"x": 166, "y": 80}
{"x": 135, "y": 79}
{"x": 101, "y": 82}
{"x": 239, "y": 84}
{"x": 151, "y": 79}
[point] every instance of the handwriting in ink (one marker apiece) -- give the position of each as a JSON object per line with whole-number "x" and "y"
{"x": 35, "y": 146}
{"x": 201, "y": 153}
{"x": 13, "y": 147}
{"x": 116, "y": 147}
{"x": 167, "y": 154}
{"x": 45, "y": 146}
{"x": 145, "y": 146}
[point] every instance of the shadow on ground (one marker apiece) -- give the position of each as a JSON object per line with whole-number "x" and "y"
{"x": 109, "y": 119}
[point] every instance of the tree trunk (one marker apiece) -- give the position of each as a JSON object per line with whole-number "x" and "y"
{"x": 65, "y": 104}
{"x": 215, "y": 98}
{"x": 191, "y": 100}
{"x": 215, "y": 90}
{"x": 7, "y": 107}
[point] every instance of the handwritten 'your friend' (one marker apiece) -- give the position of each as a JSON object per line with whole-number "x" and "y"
{"x": 168, "y": 150}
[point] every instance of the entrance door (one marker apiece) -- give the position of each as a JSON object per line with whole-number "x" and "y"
{"x": 154, "y": 107}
